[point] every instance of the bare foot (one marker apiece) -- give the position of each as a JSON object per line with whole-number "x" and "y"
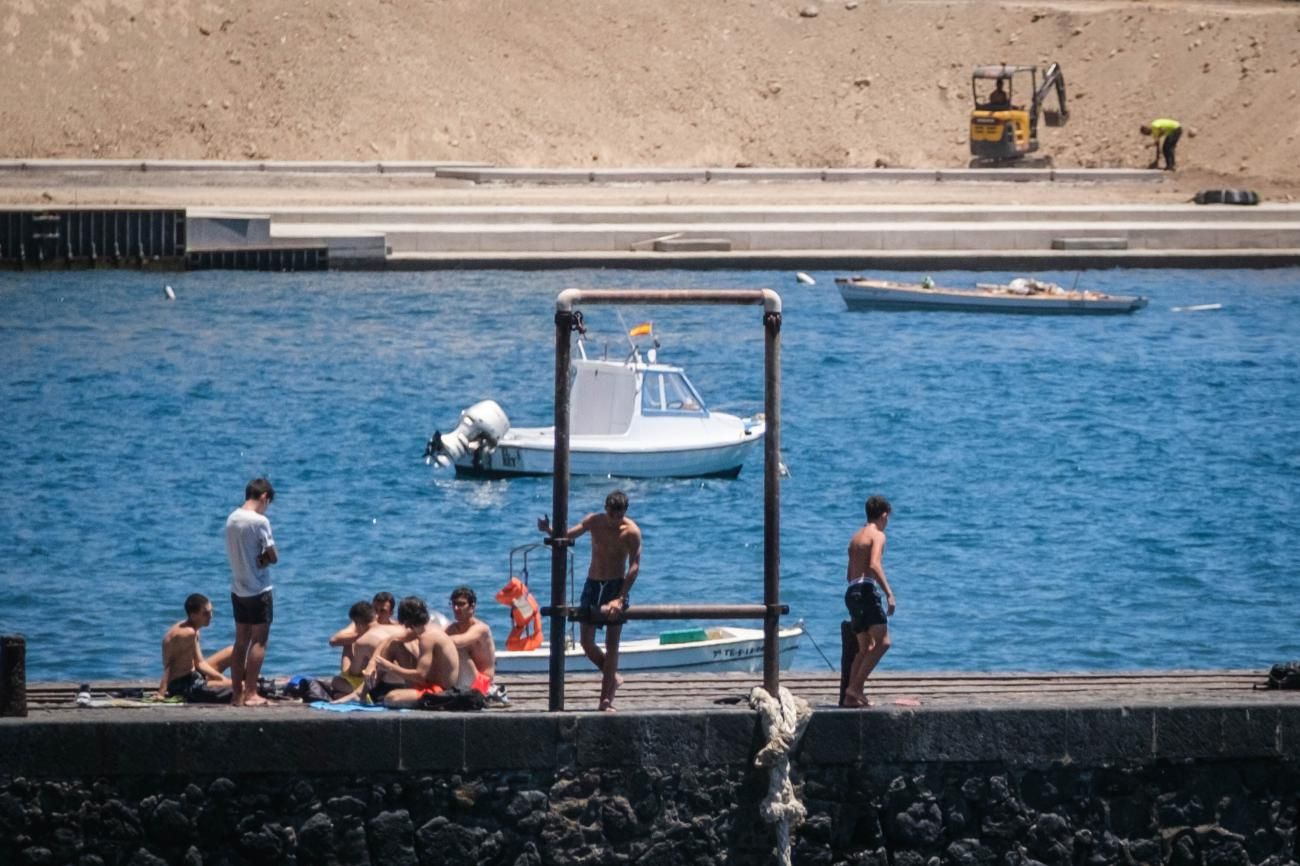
{"x": 606, "y": 707}
{"x": 254, "y": 701}
{"x": 854, "y": 702}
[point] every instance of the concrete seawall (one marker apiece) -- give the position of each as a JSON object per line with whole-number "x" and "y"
{"x": 1071, "y": 781}
{"x": 476, "y": 216}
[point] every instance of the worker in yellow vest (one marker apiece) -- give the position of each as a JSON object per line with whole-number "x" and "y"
{"x": 1166, "y": 133}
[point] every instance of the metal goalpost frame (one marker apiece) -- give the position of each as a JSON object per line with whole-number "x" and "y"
{"x": 771, "y": 609}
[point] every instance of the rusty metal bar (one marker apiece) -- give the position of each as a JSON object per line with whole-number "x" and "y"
{"x": 772, "y": 499}
{"x": 701, "y": 611}
{"x": 567, "y": 319}
{"x": 559, "y": 542}
{"x": 771, "y": 301}
{"x": 679, "y": 611}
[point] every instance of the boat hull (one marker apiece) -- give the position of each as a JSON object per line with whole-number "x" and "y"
{"x": 873, "y": 295}
{"x": 512, "y": 459}
{"x": 741, "y": 652}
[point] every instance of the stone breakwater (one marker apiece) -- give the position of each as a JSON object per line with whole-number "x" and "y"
{"x": 1061, "y": 787}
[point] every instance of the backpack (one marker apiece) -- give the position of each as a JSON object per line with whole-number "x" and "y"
{"x": 1284, "y": 675}
{"x": 453, "y": 701}
{"x": 308, "y": 689}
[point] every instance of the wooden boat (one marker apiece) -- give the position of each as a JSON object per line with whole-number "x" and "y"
{"x": 1033, "y": 297}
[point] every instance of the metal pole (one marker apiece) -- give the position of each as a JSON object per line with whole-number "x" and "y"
{"x": 564, "y": 320}
{"x": 772, "y": 501}
{"x": 699, "y": 611}
{"x": 13, "y": 675}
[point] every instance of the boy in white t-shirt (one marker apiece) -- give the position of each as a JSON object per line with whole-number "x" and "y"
{"x": 251, "y": 551}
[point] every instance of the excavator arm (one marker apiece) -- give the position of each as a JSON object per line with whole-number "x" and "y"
{"x": 1052, "y": 78}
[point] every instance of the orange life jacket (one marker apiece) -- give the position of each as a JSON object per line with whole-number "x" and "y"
{"x": 525, "y": 616}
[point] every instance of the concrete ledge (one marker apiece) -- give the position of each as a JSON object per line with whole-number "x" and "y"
{"x": 856, "y": 260}
{"x": 1090, "y": 243}
{"x": 179, "y": 741}
{"x": 219, "y": 165}
{"x": 764, "y": 175}
{"x": 692, "y": 245}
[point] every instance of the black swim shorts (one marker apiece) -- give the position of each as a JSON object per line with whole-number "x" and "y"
{"x": 380, "y": 690}
{"x": 194, "y": 689}
{"x": 865, "y": 610}
{"x": 252, "y": 609}
{"x": 595, "y": 595}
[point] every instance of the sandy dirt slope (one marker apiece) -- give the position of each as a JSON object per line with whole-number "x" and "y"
{"x": 669, "y": 82}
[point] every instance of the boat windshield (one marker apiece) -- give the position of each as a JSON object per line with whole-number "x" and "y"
{"x": 669, "y": 393}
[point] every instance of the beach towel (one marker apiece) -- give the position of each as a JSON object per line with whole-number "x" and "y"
{"x": 348, "y": 708}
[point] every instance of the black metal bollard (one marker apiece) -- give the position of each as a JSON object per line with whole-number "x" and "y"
{"x": 13, "y": 675}
{"x": 848, "y": 651}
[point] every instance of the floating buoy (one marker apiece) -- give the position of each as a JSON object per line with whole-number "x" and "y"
{"x": 805, "y": 279}
{"x": 169, "y": 293}
{"x": 1197, "y": 308}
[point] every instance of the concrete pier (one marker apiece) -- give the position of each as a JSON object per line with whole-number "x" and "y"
{"x": 1184, "y": 768}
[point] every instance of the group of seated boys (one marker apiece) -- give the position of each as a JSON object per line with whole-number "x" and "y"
{"x": 395, "y": 664}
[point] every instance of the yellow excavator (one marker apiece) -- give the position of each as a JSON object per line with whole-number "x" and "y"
{"x": 1002, "y": 129}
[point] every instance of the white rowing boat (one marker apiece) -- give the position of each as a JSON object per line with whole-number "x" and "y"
{"x": 715, "y": 648}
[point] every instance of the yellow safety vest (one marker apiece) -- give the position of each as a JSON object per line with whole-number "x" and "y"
{"x": 1162, "y": 127}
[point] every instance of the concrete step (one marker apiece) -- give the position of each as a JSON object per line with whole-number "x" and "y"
{"x": 838, "y": 236}
{"x": 857, "y": 261}
{"x": 689, "y": 214}
{"x": 1089, "y": 243}
{"x": 583, "y": 176}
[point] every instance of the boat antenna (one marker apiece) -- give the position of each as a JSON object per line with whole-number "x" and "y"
{"x": 627, "y": 333}
{"x": 1075, "y": 285}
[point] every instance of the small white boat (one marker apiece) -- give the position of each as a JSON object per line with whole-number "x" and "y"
{"x": 715, "y": 648}
{"x": 629, "y": 418}
{"x": 1027, "y": 296}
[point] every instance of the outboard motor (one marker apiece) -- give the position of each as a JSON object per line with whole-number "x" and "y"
{"x": 481, "y": 426}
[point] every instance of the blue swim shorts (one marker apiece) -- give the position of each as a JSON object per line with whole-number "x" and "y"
{"x": 865, "y": 609}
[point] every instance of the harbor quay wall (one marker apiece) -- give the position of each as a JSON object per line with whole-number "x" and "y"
{"x": 1204, "y": 785}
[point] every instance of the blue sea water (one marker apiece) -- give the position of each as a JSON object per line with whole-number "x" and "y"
{"x": 1069, "y": 493}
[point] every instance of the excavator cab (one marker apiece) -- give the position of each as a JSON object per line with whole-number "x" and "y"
{"x": 1008, "y": 101}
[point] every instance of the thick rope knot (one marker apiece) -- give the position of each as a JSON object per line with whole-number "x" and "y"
{"x": 783, "y": 725}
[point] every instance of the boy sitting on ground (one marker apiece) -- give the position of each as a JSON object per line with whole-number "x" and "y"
{"x": 431, "y": 669}
{"x": 368, "y": 636}
{"x": 186, "y": 673}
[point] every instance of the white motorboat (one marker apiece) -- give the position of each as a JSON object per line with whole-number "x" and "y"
{"x": 715, "y": 648}
{"x": 1022, "y": 295}
{"x": 632, "y": 417}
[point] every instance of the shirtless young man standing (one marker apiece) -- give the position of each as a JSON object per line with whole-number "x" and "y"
{"x": 870, "y": 623}
{"x": 615, "y": 563}
{"x": 186, "y": 673}
{"x": 432, "y": 668}
{"x": 473, "y": 640}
